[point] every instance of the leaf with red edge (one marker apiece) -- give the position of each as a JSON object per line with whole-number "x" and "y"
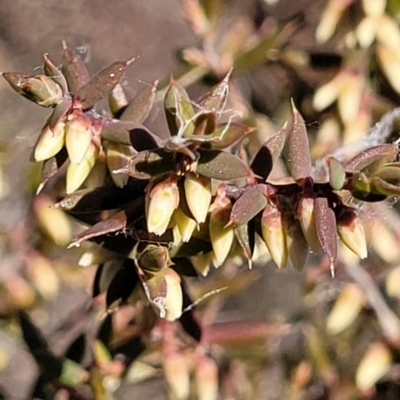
{"x": 178, "y": 109}
{"x": 101, "y": 85}
{"x": 221, "y": 165}
{"x": 215, "y": 99}
{"x": 249, "y": 204}
{"x": 385, "y": 152}
{"x": 298, "y": 149}
{"x": 115, "y": 223}
{"x": 74, "y": 70}
{"x": 325, "y": 221}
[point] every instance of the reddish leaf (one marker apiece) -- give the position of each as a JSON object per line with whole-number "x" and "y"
{"x": 362, "y": 159}
{"x": 74, "y": 70}
{"x": 248, "y": 205}
{"x": 325, "y": 221}
{"x": 226, "y": 135}
{"x": 298, "y": 150}
{"x": 60, "y": 111}
{"x": 101, "y": 85}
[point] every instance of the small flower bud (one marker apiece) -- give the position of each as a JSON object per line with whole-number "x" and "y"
{"x": 77, "y": 173}
{"x": 206, "y": 377}
{"x": 176, "y": 373}
{"x": 78, "y": 135}
{"x": 50, "y": 142}
{"x": 162, "y": 200}
{"x": 373, "y": 366}
{"x": 186, "y": 225}
{"x": 221, "y": 235}
{"x": 274, "y": 234}
{"x": 346, "y": 309}
{"x": 198, "y": 196}
{"x": 42, "y": 90}
{"x": 306, "y": 216}
{"x": 174, "y": 297}
{"x": 351, "y": 232}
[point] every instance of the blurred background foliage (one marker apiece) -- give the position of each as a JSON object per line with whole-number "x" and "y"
{"x": 272, "y": 334}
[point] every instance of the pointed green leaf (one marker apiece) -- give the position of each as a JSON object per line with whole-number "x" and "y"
{"x": 215, "y": 99}
{"x": 54, "y": 73}
{"x": 118, "y": 99}
{"x": 245, "y": 236}
{"x": 178, "y": 110}
{"x": 139, "y": 107}
{"x": 226, "y": 135}
{"x": 337, "y": 174}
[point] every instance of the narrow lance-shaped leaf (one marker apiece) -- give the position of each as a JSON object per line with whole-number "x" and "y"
{"x": 54, "y": 73}
{"x": 214, "y": 101}
{"x": 15, "y": 80}
{"x": 74, "y": 70}
{"x": 220, "y": 165}
{"x": 325, "y": 221}
{"x": 298, "y": 150}
{"x": 381, "y": 187}
{"x": 139, "y": 107}
{"x": 115, "y": 223}
{"x": 252, "y": 201}
{"x": 179, "y": 111}
{"x": 245, "y": 236}
{"x": 102, "y": 84}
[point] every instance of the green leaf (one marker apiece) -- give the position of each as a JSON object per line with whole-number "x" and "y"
{"x": 337, "y": 174}
{"x": 151, "y": 163}
{"x": 118, "y": 99}
{"x": 248, "y": 205}
{"x": 245, "y": 236}
{"x": 226, "y": 135}
{"x": 178, "y": 109}
{"x": 220, "y": 165}
{"x": 101, "y": 85}
{"x": 379, "y": 186}
{"x": 54, "y": 73}
{"x": 215, "y": 99}
{"x": 139, "y": 107}
{"x": 60, "y": 111}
